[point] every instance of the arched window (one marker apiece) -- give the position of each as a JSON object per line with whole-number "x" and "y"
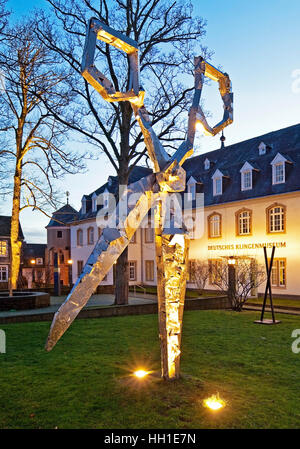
{"x": 244, "y": 222}
{"x": 90, "y": 236}
{"x": 276, "y": 218}
{"x": 214, "y": 225}
{"x": 79, "y": 237}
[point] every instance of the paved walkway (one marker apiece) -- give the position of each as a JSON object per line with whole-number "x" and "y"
{"x": 95, "y": 301}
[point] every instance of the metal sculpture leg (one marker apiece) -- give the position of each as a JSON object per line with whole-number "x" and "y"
{"x": 171, "y": 259}
{"x": 168, "y": 177}
{"x": 110, "y": 245}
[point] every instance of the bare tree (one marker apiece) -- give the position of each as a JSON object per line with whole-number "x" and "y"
{"x": 249, "y": 275}
{"x": 31, "y": 150}
{"x": 199, "y": 273}
{"x": 4, "y": 14}
{"x": 168, "y": 37}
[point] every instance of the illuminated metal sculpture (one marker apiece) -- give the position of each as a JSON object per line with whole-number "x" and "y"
{"x": 169, "y": 176}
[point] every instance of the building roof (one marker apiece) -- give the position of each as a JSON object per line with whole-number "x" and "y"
{"x": 111, "y": 186}
{"x": 5, "y": 222}
{"x": 63, "y": 216}
{"x": 33, "y": 250}
{"x": 231, "y": 159}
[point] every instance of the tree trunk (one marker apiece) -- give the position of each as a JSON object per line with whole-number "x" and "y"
{"x": 122, "y": 281}
{"x": 15, "y": 243}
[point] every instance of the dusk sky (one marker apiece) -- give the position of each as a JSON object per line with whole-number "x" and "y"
{"x": 258, "y": 44}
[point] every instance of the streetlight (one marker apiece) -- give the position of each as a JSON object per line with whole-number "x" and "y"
{"x": 70, "y": 263}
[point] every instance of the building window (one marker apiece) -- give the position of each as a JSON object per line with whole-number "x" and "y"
{"x": 214, "y": 225}
{"x": 3, "y": 248}
{"x": 278, "y": 171}
{"x": 244, "y": 222}
{"x": 191, "y": 271}
{"x": 133, "y": 239}
{"x": 278, "y": 278}
{"x": 262, "y": 148}
{"x": 149, "y": 270}
{"x": 94, "y": 203}
{"x": 132, "y": 270}
{"x": 246, "y": 180}
{"x": 3, "y": 273}
{"x": 149, "y": 234}
{"x": 83, "y": 206}
{"x": 59, "y": 234}
{"x": 79, "y": 237}
{"x": 215, "y": 271}
{"x": 192, "y": 191}
{"x": 90, "y": 236}
{"x": 39, "y": 261}
{"x": 206, "y": 164}
{"x": 217, "y": 186}
{"x": 276, "y": 218}
{"x": 79, "y": 267}
{"x": 99, "y": 232}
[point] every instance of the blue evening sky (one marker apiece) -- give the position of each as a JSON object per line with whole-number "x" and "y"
{"x": 258, "y": 43}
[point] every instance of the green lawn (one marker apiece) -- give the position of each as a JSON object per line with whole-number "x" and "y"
{"x": 85, "y": 381}
{"x": 285, "y": 302}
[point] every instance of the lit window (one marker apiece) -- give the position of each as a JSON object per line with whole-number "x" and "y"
{"x": 90, "y": 236}
{"x": 149, "y": 270}
{"x": 132, "y": 271}
{"x": 244, "y": 223}
{"x": 215, "y": 271}
{"x": 191, "y": 271}
{"x": 214, "y": 224}
{"x": 39, "y": 261}
{"x": 3, "y": 273}
{"x": 278, "y": 173}
{"x": 278, "y": 278}
{"x": 3, "y": 248}
{"x": 276, "y": 219}
{"x": 79, "y": 237}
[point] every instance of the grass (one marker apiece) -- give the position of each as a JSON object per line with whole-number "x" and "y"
{"x": 190, "y": 293}
{"x": 85, "y": 381}
{"x": 287, "y": 302}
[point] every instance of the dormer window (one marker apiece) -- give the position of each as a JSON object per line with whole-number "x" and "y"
{"x": 278, "y": 173}
{"x": 105, "y": 198}
{"x": 206, "y": 164}
{"x": 262, "y": 148}
{"x": 278, "y": 169}
{"x": 191, "y": 187}
{"x": 83, "y": 205}
{"x": 246, "y": 176}
{"x": 94, "y": 202}
{"x": 217, "y": 183}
